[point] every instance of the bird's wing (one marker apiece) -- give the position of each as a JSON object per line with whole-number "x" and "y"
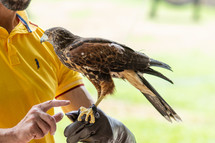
{"x": 105, "y": 56}
{"x": 81, "y": 41}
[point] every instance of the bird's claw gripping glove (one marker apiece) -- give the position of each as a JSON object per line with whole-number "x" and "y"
{"x": 104, "y": 130}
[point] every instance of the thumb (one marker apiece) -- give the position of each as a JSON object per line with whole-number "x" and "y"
{"x": 58, "y": 116}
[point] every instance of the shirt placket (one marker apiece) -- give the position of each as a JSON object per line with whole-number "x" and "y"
{"x": 12, "y": 53}
{"x": 12, "y": 50}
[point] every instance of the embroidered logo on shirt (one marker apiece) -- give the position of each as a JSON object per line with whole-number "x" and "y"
{"x": 37, "y": 63}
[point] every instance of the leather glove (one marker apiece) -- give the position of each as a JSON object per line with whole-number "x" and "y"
{"x": 104, "y": 130}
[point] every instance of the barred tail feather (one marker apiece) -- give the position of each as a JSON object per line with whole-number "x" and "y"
{"x": 159, "y": 103}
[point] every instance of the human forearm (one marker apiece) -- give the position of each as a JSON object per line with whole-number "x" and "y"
{"x": 78, "y": 97}
{"x": 7, "y": 135}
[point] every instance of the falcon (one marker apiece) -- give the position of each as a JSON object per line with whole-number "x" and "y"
{"x": 101, "y": 60}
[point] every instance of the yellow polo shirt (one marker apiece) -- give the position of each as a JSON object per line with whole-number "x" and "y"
{"x": 31, "y": 73}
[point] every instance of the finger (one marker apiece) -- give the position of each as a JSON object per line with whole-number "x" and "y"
{"x": 58, "y": 116}
{"x": 44, "y": 127}
{"x": 45, "y": 106}
{"x": 50, "y": 121}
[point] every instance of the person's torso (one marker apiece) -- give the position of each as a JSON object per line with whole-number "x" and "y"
{"x": 28, "y": 74}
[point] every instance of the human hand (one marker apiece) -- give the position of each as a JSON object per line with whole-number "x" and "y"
{"x": 104, "y": 130}
{"x": 37, "y": 123}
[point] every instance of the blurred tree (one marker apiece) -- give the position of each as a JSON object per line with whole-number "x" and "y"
{"x": 196, "y": 4}
{"x": 179, "y": 2}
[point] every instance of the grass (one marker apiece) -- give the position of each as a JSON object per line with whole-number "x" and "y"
{"x": 151, "y": 131}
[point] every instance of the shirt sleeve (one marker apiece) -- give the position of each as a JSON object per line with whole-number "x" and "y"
{"x": 67, "y": 79}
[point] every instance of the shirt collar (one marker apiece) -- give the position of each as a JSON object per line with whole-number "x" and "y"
{"x": 24, "y": 23}
{"x": 22, "y": 15}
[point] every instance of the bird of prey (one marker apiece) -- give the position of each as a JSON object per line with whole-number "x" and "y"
{"x": 100, "y": 60}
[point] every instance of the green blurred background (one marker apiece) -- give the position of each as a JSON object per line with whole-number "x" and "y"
{"x": 175, "y": 36}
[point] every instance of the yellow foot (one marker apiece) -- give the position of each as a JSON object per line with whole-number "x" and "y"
{"x": 88, "y": 112}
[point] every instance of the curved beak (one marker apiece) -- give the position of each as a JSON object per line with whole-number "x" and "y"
{"x": 43, "y": 38}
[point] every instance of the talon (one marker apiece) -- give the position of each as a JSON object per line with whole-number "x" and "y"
{"x": 88, "y": 113}
{"x": 82, "y": 112}
{"x": 91, "y": 114}
{"x": 87, "y": 116}
{"x": 83, "y": 109}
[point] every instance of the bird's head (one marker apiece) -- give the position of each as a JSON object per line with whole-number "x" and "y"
{"x": 59, "y": 37}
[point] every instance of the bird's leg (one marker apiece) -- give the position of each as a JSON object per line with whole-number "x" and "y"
{"x": 88, "y": 112}
{"x": 99, "y": 100}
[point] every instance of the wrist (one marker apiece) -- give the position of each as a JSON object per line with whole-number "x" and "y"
{"x": 8, "y": 135}
{"x": 14, "y": 134}
{"x": 17, "y": 135}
